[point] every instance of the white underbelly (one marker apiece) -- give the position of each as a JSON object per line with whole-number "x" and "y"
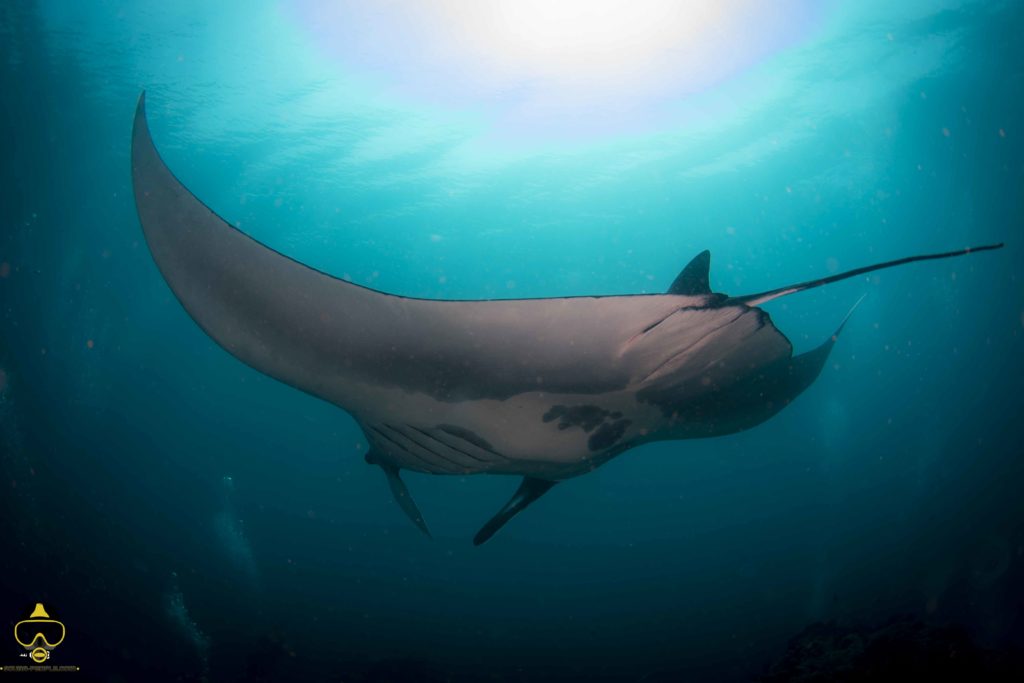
{"x": 536, "y": 433}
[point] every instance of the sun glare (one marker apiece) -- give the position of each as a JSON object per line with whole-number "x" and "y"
{"x": 560, "y": 65}
{"x": 585, "y": 42}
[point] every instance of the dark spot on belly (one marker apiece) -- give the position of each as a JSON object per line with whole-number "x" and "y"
{"x": 585, "y": 417}
{"x": 607, "y": 435}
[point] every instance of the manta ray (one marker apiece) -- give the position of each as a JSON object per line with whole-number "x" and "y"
{"x": 545, "y": 389}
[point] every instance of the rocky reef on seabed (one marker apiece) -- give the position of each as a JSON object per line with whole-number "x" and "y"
{"x": 902, "y": 649}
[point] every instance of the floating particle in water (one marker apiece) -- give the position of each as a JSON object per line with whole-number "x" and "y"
{"x": 945, "y": 132}
{"x": 5, "y": 268}
{"x": 90, "y": 343}
{"x": 1002, "y": 133}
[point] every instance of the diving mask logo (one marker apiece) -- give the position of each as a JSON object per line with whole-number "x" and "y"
{"x": 39, "y": 634}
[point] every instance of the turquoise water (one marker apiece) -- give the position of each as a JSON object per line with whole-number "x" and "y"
{"x": 190, "y": 519}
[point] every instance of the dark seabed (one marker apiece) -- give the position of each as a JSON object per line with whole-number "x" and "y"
{"x": 189, "y": 519}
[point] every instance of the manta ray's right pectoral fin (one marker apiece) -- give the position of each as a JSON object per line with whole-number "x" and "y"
{"x": 530, "y": 490}
{"x": 401, "y": 494}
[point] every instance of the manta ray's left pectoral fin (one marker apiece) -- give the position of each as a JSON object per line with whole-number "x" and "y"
{"x": 530, "y": 490}
{"x": 401, "y": 494}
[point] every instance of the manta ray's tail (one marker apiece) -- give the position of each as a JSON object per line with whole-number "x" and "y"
{"x": 758, "y": 299}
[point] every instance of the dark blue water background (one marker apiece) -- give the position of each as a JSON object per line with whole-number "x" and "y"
{"x": 190, "y": 519}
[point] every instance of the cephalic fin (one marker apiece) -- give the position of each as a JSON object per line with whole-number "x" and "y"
{"x": 530, "y": 490}
{"x": 401, "y": 494}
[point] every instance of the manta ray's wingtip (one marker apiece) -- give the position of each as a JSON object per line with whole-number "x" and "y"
{"x": 140, "y": 106}
{"x": 835, "y": 335}
{"x": 140, "y": 127}
{"x": 804, "y": 368}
